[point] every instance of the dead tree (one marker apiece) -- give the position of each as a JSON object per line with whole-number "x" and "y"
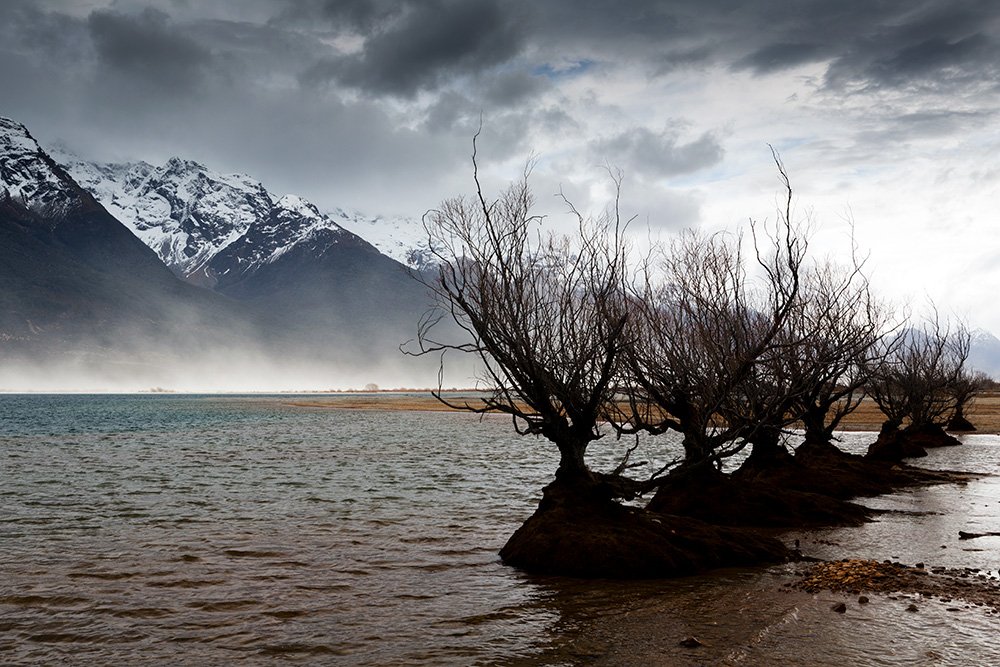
{"x": 841, "y": 325}
{"x": 829, "y": 337}
{"x": 967, "y": 386}
{"x": 548, "y": 319}
{"x": 543, "y": 315}
{"x": 914, "y": 383}
{"x": 703, "y": 333}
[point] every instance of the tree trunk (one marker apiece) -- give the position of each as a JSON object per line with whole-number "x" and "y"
{"x": 890, "y": 426}
{"x": 695, "y": 449}
{"x": 766, "y": 454}
{"x": 893, "y": 445}
{"x": 572, "y": 468}
{"x": 958, "y": 422}
{"x": 575, "y": 487}
{"x": 814, "y": 423}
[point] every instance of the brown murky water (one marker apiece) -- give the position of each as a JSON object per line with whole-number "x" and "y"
{"x": 204, "y": 530}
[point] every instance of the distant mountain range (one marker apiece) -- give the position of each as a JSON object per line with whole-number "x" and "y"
{"x": 176, "y": 266}
{"x": 212, "y": 228}
{"x": 138, "y": 273}
{"x": 228, "y": 233}
{"x": 984, "y": 352}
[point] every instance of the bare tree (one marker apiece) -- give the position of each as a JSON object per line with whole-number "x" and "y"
{"x": 704, "y": 332}
{"x": 815, "y": 375}
{"x": 841, "y": 324}
{"x": 915, "y": 380}
{"x": 964, "y": 390}
{"x": 549, "y": 320}
{"x": 543, "y": 315}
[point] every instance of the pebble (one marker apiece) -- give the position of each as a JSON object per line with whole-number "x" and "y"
{"x": 859, "y": 577}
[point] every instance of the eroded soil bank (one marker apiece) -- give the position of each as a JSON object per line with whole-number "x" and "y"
{"x": 702, "y": 519}
{"x": 595, "y": 538}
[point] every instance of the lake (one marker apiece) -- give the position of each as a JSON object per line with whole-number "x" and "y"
{"x": 196, "y": 530}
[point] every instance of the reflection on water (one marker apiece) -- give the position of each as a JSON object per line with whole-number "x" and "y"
{"x": 206, "y": 530}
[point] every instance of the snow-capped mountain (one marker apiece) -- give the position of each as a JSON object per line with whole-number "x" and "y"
{"x": 73, "y": 275}
{"x": 29, "y": 177}
{"x": 401, "y": 238}
{"x": 285, "y": 291}
{"x": 213, "y": 229}
{"x": 281, "y": 256}
{"x": 984, "y": 352}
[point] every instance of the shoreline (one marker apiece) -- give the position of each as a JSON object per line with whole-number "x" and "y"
{"x": 984, "y": 412}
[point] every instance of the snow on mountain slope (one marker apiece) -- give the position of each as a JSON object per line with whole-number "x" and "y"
{"x": 403, "y": 239}
{"x": 183, "y": 211}
{"x": 29, "y": 177}
{"x": 291, "y": 223}
{"x": 201, "y": 222}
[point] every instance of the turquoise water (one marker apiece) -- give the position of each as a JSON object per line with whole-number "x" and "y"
{"x": 164, "y": 529}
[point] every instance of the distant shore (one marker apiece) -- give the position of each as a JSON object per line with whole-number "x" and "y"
{"x": 984, "y": 413}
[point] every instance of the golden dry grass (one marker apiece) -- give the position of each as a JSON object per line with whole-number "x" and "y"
{"x": 984, "y": 413}
{"x": 385, "y": 401}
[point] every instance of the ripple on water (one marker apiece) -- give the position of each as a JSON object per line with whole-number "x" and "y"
{"x": 201, "y": 530}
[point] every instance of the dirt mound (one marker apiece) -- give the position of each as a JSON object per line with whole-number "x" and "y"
{"x": 742, "y": 500}
{"x": 895, "y": 445}
{"x": 604, "y": 539}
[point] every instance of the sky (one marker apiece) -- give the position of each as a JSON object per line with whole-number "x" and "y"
{"x": 884, "y": 112}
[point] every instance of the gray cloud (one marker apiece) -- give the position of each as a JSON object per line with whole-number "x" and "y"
{"x": 657, "y": 155}
{"x": 148, "y": 47}
{"x": 345, "y": 101}
{"x": 428, "y": 43}
{"x": 342, "y": 15}
{"x": 773, "y": 57}
{"x": 511, "y": 88}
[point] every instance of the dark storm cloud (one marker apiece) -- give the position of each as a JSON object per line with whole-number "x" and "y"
{"x": 46, "y": 36}
{"x": 884, "y": 44}
{"x": 340, "y": 95}
{"x": 660, "y": 154}
{"x": 512, "y": 88}
{"x": 412, "y": 45}
{"x": 360, "y": 16}
{"x": 775, "y": 57}
{"x": 149, "y": 47}
{"x": 428, "y": 43}
{"x": 415, "y": 46}
{"x": 939, "y": 46}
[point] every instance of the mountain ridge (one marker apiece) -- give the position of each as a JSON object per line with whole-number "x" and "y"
{"x": 83, "y": 292}
{"x": 190, "y": 215}
{"x": 69, "y": 268}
